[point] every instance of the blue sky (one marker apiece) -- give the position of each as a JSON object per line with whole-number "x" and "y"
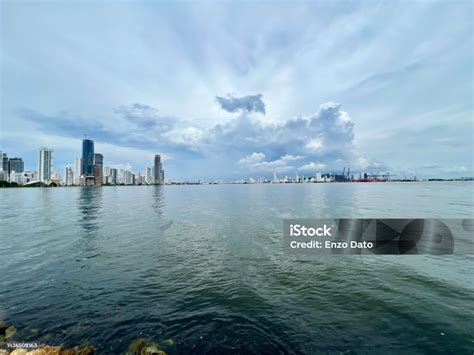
{"x": 238, "y": 89}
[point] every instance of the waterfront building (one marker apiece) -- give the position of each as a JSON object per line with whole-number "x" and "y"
{"x": 45, "y": 164}
{"x": 127, "y": 177}
{"x": 158, "y": 172}
{"x": 56, "y": 178}
{"x": 69, "y": 176}
{"x": 113, "y": 176}
{"x": 4, "y": 176}
{"x": 148, "y": 176}
{"x": 78, "y": 171}
{"x": 16, "y": 165}
{"x": 16, "y": 177}
{"x": 98, "y": 169}
{"x": 137, "y": 179}
{"x": 106, "y": 175}
{"x": 87, "y": 157}
{"x": 3, "y": 161}
{"x": 29, "y": 176}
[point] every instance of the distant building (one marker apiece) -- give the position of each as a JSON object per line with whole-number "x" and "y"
{"x": 158, "y": 172}
{"x": 4, "y": 176}
{"x": 16, "y": 165}
{"x": 127, "y": 177}
{"x": 56, "y": 178}
{"x": 98, "y": 169}
{"x": 78, "y": 171}
{"x": 106, "y": 175}
{"x": 16, "y": 178}
{"x": 29, "y": 176}
{"x": 148, "y": 178}
{"x": 3, "y": 161}
{"x": 69, "y": 176}
{"x": 45, "y": 164}
{"x": 113, "y": 176}
{"x": 87, "y": 157}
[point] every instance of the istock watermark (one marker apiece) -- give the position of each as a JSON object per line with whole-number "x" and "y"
{"x": 379, "y": 236}
{"x": 297, "y": 230}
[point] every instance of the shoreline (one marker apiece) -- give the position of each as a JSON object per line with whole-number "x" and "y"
{"x": 467, "y": 180}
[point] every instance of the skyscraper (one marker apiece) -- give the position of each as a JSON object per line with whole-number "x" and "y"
{"x": 98, "y": 168}
{"x": 78, "y": 172}
{"x": 113, "y": 176}
{"x": 87, "y": 157}
{"x": 148, "y": 176}
{"x": 16, "y": 165}
{"x": 156, "y": 169}
{"x": 45, "y": 164}
{"x": 158, "y": 172}
{"x": 3, "y": 161}
{"x": 69, "y": 176}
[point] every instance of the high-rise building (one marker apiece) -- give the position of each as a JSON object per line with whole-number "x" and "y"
{"x": 16, "y": 165}
{"x": 69, "y": 176}
{"x": 127, "y": 177}
{"x": 156, "y": 169}
{"x": 106, "y": 175}
{"x": 98, "y": 169}
{"x": 148, "y": 176}
{"x": 3, "y": 161}
{"x": 158, "y": 172}
{"x": 78, "y": 172}
{"x": 87, "y": 158}
{"x": 45, "y": 164}
{"x": 113, "y": 176}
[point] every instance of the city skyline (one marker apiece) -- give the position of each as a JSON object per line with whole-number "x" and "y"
{"x": 326, "y": 92}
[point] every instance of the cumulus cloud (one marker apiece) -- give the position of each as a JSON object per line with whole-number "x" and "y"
{"x": 190, "y": 136}
{"x": 312, "y": 167}
{"x": 246, "y": 104}
{"x": 363, "y": 163}
{"x": 326, "y": 136}
{"x": 256, "y": 162}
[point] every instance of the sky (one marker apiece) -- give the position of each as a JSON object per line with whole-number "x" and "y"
{"x": 226, "y": 90}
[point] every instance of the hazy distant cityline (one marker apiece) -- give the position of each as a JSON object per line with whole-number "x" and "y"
{"x": 90, "y": 171}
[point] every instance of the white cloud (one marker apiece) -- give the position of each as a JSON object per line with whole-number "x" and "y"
{"x": 312, "y": 167}
{"x": 255, "y": 162}
{"x": 314, "y": 144}
{"x": 366, "y": 164}
{"x": 191, "y": 136}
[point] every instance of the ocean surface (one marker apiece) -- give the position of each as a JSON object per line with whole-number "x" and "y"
{"x": 204, "y": 266}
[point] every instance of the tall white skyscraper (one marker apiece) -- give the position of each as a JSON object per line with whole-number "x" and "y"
{"x": 77, "y": 173}
{"x": 45, "y": 164}
{"x": 148, "y": 176}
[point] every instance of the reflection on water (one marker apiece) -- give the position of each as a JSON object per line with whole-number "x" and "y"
{"x": 158, "y": 198}
{"x": 204, "y": 265}
{"x": 89, "y": 208}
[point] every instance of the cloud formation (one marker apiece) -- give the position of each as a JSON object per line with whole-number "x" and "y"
{"x": 326, "y": 135}
{"x": 247, "y": 143}
{"x": 312, "y": 167}
{"x": 144, "y": 116}
{"x": 255, "y": 162}
{"x": 246, "y": 104}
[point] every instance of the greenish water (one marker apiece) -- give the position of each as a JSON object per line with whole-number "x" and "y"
{"x": 204, "y": 265}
